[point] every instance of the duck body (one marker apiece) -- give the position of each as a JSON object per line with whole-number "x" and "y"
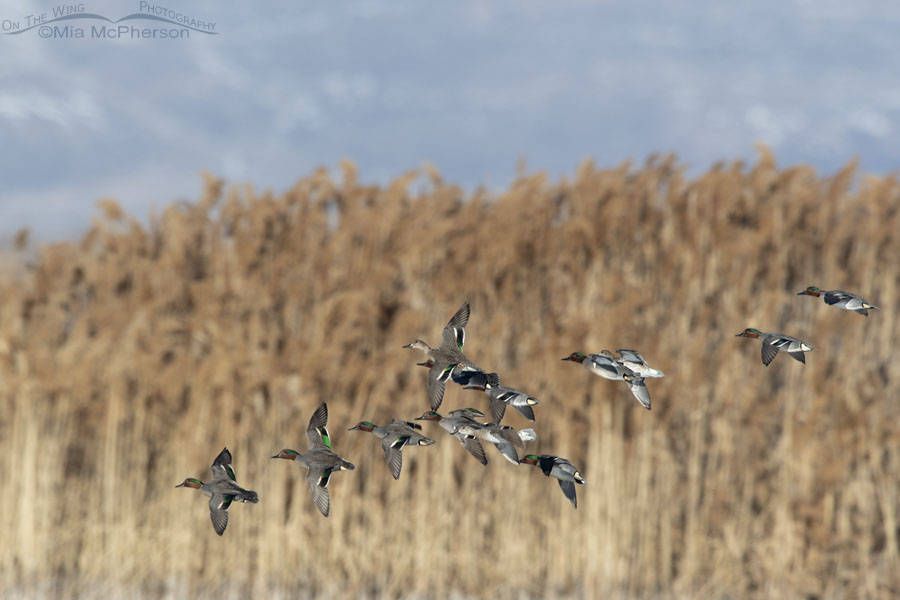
{"x": 772, "y": 343}
{"x": 840, "y": 299}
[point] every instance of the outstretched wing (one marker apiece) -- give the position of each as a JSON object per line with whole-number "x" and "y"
{"x": 454, "y": 335}
{"x": 770, "y": 348}
{"x": 221, "y": 467}
{"x": 497, "y": 407}
{"x": 473, "y": 446}
{"x": 316, "y": 432}
{"x": 798, "y": 355}
{"x": 218, "y": 511}
{"x": 639, "y": 389}
{"x": 568, "y": 489}
{"x": 509, "y": 452}
{"x": 318, "y": 487}
{"x": 392, "y": 447}
{"x": 437, "y": 382}
{"x": 631, "y": 356}
{"x": 526, "y": 411}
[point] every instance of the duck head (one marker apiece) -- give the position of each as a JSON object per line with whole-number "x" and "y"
{"x": 191, "y": 483}
{"x": 418, "y": 345}
{"x": 363, "y": 426}
{"x": 750, "y": 333}
{"x": 530, "y": 459}
{"x": 576, "y": 357}
{"x": 288, "y": 454}
{"x": 811, "y": 291}
{"x": 429, "y": 416}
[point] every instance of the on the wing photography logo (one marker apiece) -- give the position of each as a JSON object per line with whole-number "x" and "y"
{"x": 69, "y": 21}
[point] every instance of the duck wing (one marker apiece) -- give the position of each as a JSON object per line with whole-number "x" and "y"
{"x": 835, "y": 296}
{"x": 454, "y": 334}
{"x": 639, "y": 388}
{"x": 497, "y": 406}
{"x": 221, "y": 467}
{"x": 526, "y": 411}
{"x": 318, "y": 486}
{"x": 316, "y": 432}
{"x": 631, "y": 356}
{"x": 393, "y": 456}
{"x": 797, "y": 355}
{"x": 568, "y": 489}
{"x": 473, "y": 446}
{"x": 509, "y": 452}
{"x": 437, "y": 383}
{"x": 218, "y": 510}
{"x": 770, "y": 348}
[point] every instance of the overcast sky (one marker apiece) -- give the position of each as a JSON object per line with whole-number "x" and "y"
{"x": 470, "y": 86}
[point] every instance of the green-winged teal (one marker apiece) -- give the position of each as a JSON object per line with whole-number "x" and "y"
{"x": 844, "y": 300}
{"x": 320, "y": 459}
{"x": 222, "y": 490}
{"x": 393, "y": 437}
{"x": 560, "y": 468}
{"x": 447, "y": 357}
{"x": 773, "y": 342}
{"x": 620, "y": 368}
{"x": 462, "y": 425}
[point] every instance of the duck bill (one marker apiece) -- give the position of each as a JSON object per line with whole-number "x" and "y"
{"x": 277, "y": 455}
{"x": 408, "y": 346}
{"x": 741, "y": 334}
{"x": 803, "y": 293}
{"x": 567, "y": 358}
{"x": 180, "y": 485}
{"x": 354, "y": 428}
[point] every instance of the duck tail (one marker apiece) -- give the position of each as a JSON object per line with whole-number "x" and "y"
{"x": 346, "y": 466}
{"x": 249, "y": 496}
{"x": 527, "y": 435}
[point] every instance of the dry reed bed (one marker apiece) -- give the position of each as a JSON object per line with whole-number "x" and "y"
{"x": 128, "y": 359}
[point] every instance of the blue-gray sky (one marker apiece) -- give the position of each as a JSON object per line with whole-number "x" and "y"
{"x": 469, "y": 85}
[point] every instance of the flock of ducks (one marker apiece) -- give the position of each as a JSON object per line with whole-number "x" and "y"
{"x": 796, "y": 349}
{"x": 447, "y": 362}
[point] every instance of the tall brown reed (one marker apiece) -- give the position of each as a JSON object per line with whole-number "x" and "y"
{"x": 128, "y": 359}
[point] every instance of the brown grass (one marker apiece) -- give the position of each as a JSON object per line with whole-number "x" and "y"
{"x": 129, "y": 358}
